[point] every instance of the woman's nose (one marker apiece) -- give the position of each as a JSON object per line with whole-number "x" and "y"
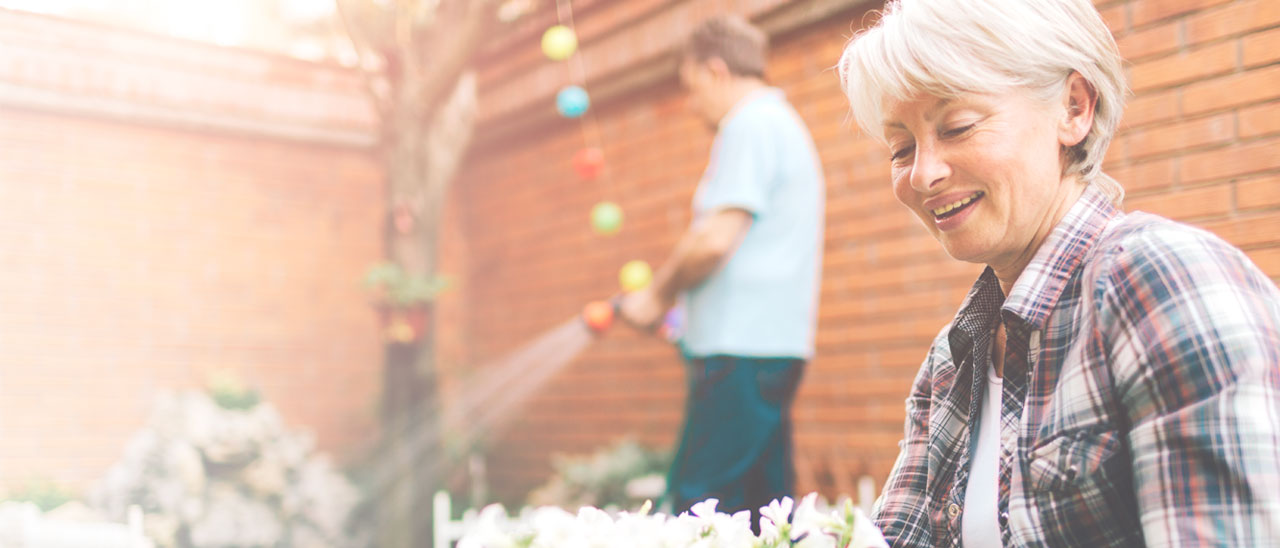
{"x": 929, "y": 168}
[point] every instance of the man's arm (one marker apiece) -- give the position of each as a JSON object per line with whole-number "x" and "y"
{"x": 699, "y": 253}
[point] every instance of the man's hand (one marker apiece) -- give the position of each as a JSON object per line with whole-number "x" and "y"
{"x": 643, "y": 309}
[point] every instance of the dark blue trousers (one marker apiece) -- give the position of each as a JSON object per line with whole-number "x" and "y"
{"x": 736, "y": 442}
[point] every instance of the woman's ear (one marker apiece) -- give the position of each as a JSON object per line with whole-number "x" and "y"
{"x": 1080, "y": 100}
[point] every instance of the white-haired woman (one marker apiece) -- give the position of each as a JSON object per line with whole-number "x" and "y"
{"x": 1110, "y": 379}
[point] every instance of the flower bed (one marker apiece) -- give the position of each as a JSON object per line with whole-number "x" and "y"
{"x": 782, "y": 523}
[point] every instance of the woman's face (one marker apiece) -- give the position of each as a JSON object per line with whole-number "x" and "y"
{"x": 983, "y": 172}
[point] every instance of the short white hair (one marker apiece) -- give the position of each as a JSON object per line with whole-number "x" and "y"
{"x": 945, "y": 48}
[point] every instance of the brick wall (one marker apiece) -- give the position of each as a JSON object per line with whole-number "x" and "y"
{"x": 1201, "y": 143}
{"x": 168, "y": 210}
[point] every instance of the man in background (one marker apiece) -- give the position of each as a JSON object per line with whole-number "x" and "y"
{"x": 747, "y": 273}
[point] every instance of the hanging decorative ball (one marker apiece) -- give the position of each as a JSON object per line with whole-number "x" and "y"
{"x": 588, "y": 163}
{"x": 401, "y": 332}
{"x": 606, "y": 218}
{"x": 572, "y": 102}
{"x": 559, "y": 42}
{"x": 635, "y": 275}
{"x": 598, "y": 315}
{"x": 403, "y": 219}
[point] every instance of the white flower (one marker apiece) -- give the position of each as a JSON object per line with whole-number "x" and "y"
{"x": 865, "y": 533}
{"x": 808, "y": 520}
{"x": 778, "y": 512}
{"x": 553, "y": 526}
{"x": 775, "y": 521}
{"x": 701, "y": 527}
{"x": 734, "y": 531}
{"x": 704, "y": 527}
{"x": 705, "y": 509}
{"x": 489, "y": 530}
{"x": 682, "y": 531}
{"x": 638, "y": 530}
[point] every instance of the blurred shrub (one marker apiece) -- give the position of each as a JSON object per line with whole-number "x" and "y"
{"x": 42, "y": 492}
{"x": 622, "y": 475}
{"x": 230, "y": 393}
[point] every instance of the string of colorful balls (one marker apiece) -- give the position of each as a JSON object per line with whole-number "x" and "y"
{"x": 560, "y": 43}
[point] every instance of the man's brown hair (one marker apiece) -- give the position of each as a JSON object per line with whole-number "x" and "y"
{"x": 731, "y": 39}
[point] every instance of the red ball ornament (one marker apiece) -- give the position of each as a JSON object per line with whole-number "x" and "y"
{"x": 588, "y": 163}
{"x": 598, "y": 315}
{"x": 403, "y": 219}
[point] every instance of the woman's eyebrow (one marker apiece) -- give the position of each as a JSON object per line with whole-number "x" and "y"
{"x": 928, "y": 115}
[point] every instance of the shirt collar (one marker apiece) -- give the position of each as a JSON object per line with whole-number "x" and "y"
{"x": 767, "y": 92}
{"x": 977, "y": 314}
{"x": 1042, "y": 282}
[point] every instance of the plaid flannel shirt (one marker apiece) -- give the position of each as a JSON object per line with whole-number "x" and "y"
{"x": 1141, "y": 397}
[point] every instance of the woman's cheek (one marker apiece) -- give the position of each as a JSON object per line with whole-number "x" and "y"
{"x": 901, "y": 177}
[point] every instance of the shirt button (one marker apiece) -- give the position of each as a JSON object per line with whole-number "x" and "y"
{"x": 1072, "y": 472}
{"x": 1004, "y": 519}
{"x": 953, "y": 510}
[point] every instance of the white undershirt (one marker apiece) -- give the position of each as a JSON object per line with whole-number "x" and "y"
{"x": 978, "y": 525}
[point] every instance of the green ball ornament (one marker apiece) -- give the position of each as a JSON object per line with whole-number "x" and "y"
{"x": 635, "y": 275}
{"x": 606, "y": 218}
{"x": 559, "y": 42}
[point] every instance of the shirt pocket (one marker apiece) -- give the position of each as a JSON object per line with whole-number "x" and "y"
{"x": 1080, "y": 484}
{"x": 1077, "y": 460}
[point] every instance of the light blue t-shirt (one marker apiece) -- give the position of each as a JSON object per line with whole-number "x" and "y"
{"x": 763, "y": 301}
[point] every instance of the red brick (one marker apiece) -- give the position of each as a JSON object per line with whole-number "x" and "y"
{"x": 145, "y": 257}
{"x": 1117, "y": 152}
{"x": 1258, "y": 193}
{"x": 1187, "y": 204}
{"x": 1150, "y": 107}
{"x": 1248, "y": 232}
{"x": 1145, "y": 176}
{"x": 1233, "y": 90}
{"x": 1149, "y": 42}
{"x": 1260, "y": 120}
{"x": 1146, "y": 11}
{"x": 1185, "y": 67}
{"x": 1232, "y": 20}
{"x": 1267, "y": 259}
{"x": 1116, "y": 17}
{"x": 1232, "y": 161}
{"x": 1262, "y": 48}
{"x": 1187, "y": 135}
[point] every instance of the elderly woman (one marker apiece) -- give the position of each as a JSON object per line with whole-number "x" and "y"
{"x": 1111, "y": 379}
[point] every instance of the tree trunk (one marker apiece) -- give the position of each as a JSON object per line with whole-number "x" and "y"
{"x": 421, "y": 159}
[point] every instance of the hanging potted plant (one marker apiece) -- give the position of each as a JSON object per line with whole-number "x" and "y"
{"x": 403, "y": 300}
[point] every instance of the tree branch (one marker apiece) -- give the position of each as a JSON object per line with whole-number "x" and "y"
{"x": 478, "y": 17}
{"x": 382, "y": 101}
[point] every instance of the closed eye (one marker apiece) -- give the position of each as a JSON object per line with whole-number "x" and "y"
{"x": 952, "y": 133}
{"x": 902, "y": 152}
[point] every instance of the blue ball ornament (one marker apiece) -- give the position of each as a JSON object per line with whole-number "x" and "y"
{"x": 572, "y": 102}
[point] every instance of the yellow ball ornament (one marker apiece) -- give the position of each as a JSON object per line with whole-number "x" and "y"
{"x": 400, "y": 332}
{"x": 635, "y": 275}
{"x": 559, "y": 42}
